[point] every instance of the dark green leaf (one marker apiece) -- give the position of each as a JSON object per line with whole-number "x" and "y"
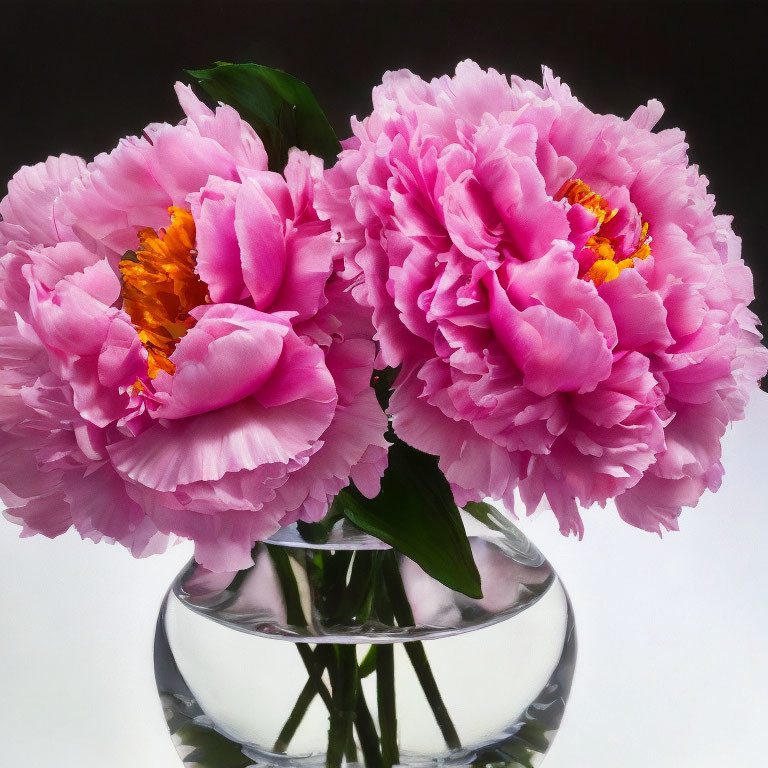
{"x": 415, "y": 513}
{"x": 281, "y": 109}
{"x": 211, "y": 749}
{"x": 318, "y": 533}
{"x": 382, "y": 382}
{"x": 487, "y": 514}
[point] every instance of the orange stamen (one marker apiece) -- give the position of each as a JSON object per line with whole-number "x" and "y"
{"x": 609, "y": 262}
{"x": 160, "y": 287}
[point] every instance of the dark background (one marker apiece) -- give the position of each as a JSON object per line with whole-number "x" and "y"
{"x": 78, "y": 75}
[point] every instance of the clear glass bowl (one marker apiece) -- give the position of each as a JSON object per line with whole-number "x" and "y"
{"x": 347, "y": 653}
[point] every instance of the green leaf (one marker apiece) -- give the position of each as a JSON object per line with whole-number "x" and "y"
{"x": 488, "y": 515}
{"x": 281, "y": 109}
{"x": 211, "y": 749}
{"x": 415, "y": 513}
{"x": 383, "y": 382}
{"x": 319, "y": 532}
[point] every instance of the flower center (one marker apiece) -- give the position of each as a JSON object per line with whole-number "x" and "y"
{"x": 609, "y": 262}
{"x": 160, "y": 287}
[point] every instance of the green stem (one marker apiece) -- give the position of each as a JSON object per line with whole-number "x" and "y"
{"x": 344, "y": 685}
{"x": 329, "y": 581}
{"x": 351, "y": 753}
{"x": 420, "y": 663}
{"x": 343, "y": 602}
{"x": 385, "y": 692}
{"x": 385, "y": 684}
{"x": 287, "y": 578}
{"x": 356, "y": 602}
{"x": 307, "y": 695}
{"x": 315, "y": 673}
{"x": 351, "y": 690}
{"x": 368, "y": 665}
{"x": 346, "y": 601}
{"x": 295, "y": 616}
{"x": 416, "y": 653}
{"x": 366, "y": 732}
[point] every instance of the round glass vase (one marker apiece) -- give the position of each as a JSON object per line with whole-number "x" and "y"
{"x": 347, "y": 653}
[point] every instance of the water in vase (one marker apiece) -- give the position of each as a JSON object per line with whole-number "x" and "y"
{"x": 469, "y": 682}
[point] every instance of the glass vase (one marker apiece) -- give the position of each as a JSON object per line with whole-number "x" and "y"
{"x": 346, "y": 653}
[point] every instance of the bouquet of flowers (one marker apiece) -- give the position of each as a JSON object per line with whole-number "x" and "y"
{"x": 233, "y": 324}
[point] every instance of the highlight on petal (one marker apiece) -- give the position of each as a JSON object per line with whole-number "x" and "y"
{"x": 244, "y": 435}
{"x": 218, "y": 250}
{"x": 261, "y": 236}
{"x": 227, "y": 356}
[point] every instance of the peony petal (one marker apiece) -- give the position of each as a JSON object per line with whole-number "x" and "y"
{"x": 356, "y": 433}
{"x": 46, "y": 515}
{"x": 261, "y": 235}
{"x": 639, "y": 314}
{"x": 225, "y": 127}
{"x": 241, "y": 436}
{"x": 227, "y": 356}
{"x": 300, "y": 374}
{"x": 101, "y": 509}
{"x": 29, "y": 210}
{"x": 308, "y": 265}
{"x": 218, "y": 251}
{"x": 553, "y": 353}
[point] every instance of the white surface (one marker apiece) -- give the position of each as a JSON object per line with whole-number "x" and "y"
{"x": 672, "y": 636}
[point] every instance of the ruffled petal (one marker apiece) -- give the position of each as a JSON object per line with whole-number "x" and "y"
{"x": 227, "y": 356}
{"x": 218, "y": 250}
{"x": 261, "y": 235}
{"x": 29, "y": 211}
{"x": 204, "y": 448}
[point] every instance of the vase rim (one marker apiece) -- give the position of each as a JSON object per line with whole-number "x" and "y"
{"x": 343, "y": 535}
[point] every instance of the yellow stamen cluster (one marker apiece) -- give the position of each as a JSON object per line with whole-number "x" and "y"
{"x": 607, "y": 266}
{"x": 160, "y": 287}
{"x": 576, "y": 192}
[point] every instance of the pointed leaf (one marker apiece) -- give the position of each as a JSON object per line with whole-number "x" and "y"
{"x": 281, "y": 109}
{"x": 415, "y": 513}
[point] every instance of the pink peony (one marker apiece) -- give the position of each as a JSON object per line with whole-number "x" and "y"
{"x": 569, "y": 313}
{"x": 215, "y": 385}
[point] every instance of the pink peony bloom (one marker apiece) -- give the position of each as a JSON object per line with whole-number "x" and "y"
{"x": 215, "y": 385}
{"x": 569, "y": 313}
